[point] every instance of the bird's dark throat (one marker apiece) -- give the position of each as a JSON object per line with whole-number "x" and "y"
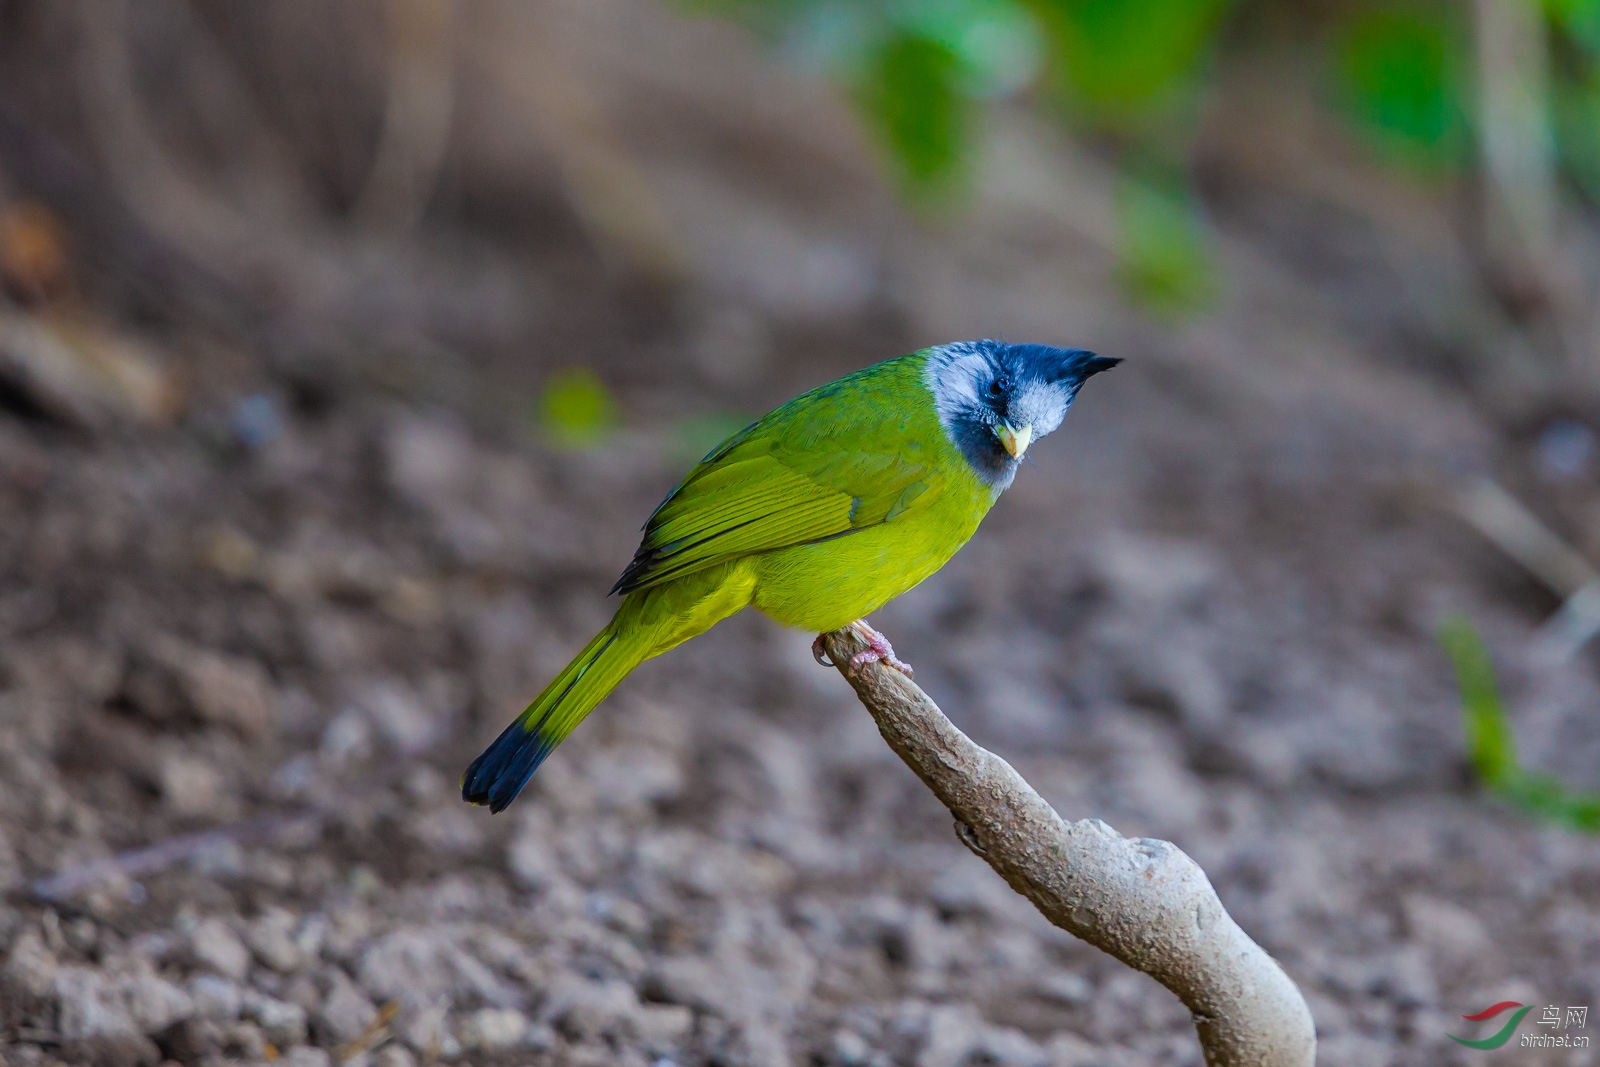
{"x": 984, "y": 452}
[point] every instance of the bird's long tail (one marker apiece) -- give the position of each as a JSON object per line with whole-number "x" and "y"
{"x": 496, "y": 777}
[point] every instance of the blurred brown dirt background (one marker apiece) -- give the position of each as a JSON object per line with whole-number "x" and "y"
{"x": 282, "y": 547}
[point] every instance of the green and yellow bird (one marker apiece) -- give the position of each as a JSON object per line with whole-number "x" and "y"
{"x": 821, "y": 512}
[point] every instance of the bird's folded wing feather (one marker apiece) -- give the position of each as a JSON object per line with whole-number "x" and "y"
{"x": 770, "y": 488}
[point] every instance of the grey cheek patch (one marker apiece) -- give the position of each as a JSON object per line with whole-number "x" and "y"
{"x": 954, "y": 375}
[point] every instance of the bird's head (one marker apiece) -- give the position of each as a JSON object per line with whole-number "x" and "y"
{"x": 994, "y": 399}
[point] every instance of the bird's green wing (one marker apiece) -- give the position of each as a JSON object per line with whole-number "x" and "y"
{"x": 842, "y": 458}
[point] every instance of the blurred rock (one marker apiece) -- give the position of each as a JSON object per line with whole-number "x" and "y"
{"x": 392, "y": 1056}
{"x": 491, "y": 1029}
{"x": 1453, "y": 934}
{"x": 1356, "y": 743}
{"x": 90, "y": 671}
{"x": 952, "y": 1034}
{"x": 111, "y": 1050}
{"x": 1066, "y": 987}
{"x": 1407, "y": 978}
{"x": 488, "y": 508}
{"x": 618, "y": 913}
{"x": 280, "y": 941}
{"x": 347, "y": 738}
{"x": 949, "y": 1035}
{"x": 345, "y": 1013}
{"x": 663, "y": 1028}
{"x": 421, "y": 967}
{"x": 90, "y": 1005}
{"x": 229, "y": 690}
{"x": 1178, "y": 677}
{"x": 216, "y": 946}
{"x": 95, "y": 1004}
{"x": 449, "y": 830}
{"x": 190, "y": 1040}
{"x": 430, "y": 461}
{"x": 305, "y": 1056}
{"x": 1070, "y": 1050}
{"x": 750, "y": 1042}
{"x": 84, "y": 374}
{"x": 435, "y": 465}
{"x": 848, "y": 1049}
{"x": 633, "y": 777}
{"x": 215, "y": 998}
{"x": 405, "y": 718}
{"x": 171, "y": 677}
{"x": 283, "y": 1023}
{"x": 587, "y": 1011}
{"x": 970, "y": 889}
{"x": 1358, "y": 1050}
{"x": 536, "y": 867}
{"x": 426, "y": 1031}
{"x": 1007, "y": 1046}
{"x": 193, "y": 788}
{"x": 31, "y": 965}
{"x": 153, "y": 1002}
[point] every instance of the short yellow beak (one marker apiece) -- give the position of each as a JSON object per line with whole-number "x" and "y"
{"x": 1015, "y": 439}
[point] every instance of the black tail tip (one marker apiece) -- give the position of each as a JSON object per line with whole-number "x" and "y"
{"x": 477, "y": 788}
{"x": 483, "y": 791}
{"x": 495, "y": 778}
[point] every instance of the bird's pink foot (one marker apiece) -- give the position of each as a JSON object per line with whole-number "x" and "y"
{"x": 878, "y": 649}
{"x": 819, "y": 652}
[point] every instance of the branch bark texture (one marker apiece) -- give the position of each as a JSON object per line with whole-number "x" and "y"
{"x": 1143, "y": 901}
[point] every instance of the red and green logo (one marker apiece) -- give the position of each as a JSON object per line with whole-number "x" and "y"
{"x": 1503, "y": 1035}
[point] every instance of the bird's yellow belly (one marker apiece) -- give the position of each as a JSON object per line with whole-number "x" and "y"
{"x": 829, "y": 584}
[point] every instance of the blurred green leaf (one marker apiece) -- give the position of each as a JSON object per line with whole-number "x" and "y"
{"x": 576, "y": 411}
{"x": 1547, "y": 797}
{"x": 1000, "y": 43}
{"x": 1166, "y": 260}
{"x": 919, "y": 68}
{"x": 1579, "y": 19}
{"x": 1491, "y": 746}
{"x": 1577, "y": 128}
{"x": 1400, "y": 78}
{"x": 914, "y": 67}
{"x": 1121, "y": 60}
{"x": 912, "y": 98}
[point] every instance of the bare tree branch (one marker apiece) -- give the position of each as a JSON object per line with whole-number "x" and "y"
{"x": 1143, "y": 901}
{"x": 416, "y": 116}
{"x": 528, "y": 61}
{"x": 1515, "y": 141}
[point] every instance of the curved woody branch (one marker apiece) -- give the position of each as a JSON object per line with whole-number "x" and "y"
{"x": 1143, "y": 901}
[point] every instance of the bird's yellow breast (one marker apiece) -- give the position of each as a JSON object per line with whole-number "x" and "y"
{"x": 829, "y": 584}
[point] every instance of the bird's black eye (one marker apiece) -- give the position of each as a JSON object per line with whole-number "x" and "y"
{"x": 1000, "y": 386}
